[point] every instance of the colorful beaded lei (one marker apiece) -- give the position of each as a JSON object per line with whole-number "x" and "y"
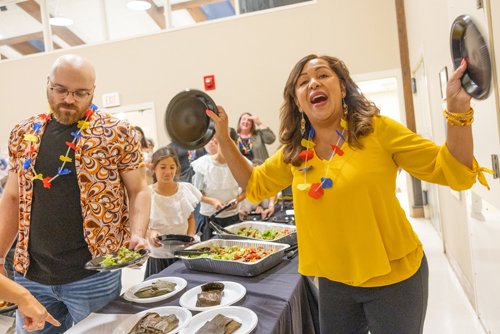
{"x": 82, "y": 124}
{"x": 241, "y": 143}
{"x": 316, "y": 190}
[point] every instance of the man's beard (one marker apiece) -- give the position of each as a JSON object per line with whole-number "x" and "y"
{"x": 66, "y": 117}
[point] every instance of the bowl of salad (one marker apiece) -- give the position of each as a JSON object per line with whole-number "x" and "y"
{"x": 122, "y": 258}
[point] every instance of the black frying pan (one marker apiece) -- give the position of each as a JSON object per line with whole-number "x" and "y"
{"x": 466, "y": 42}
{"x": 186, "y": 119}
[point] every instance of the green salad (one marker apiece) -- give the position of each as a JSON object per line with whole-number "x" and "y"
{"x": 235, "y": 253}
{"x": 266, "y": 235}
{"x": 122, "y": 256}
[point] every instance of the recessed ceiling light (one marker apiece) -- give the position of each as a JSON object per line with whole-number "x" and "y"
{"x": 60, "y": 21}
{"x": 1, "y": 36}
{"x": 139, "y": 5}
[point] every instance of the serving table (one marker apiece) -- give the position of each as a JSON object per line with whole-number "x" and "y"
{"x": 284, "y": 300}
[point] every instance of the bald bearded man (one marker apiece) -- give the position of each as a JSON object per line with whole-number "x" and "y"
{"x": 76, "y": 190}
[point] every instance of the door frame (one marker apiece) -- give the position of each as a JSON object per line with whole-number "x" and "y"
{"x": 136, "y": 107}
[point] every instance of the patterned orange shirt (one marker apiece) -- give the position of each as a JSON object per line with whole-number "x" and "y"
{"x": 107, "y": 148}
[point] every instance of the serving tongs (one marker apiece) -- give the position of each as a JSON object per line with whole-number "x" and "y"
{"x": 190, "y": 252}
{"x": 219, "y": 229}
{"x": 292, "y": 251}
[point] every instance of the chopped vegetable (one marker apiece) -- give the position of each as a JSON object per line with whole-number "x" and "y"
{"x": 266, "y": 235}
{"x": 234, "y": 253}
{"x": 122, "y": 256}
{"x": 4, "y": 304}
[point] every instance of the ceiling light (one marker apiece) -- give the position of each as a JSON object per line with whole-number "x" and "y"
{"x": 139, "y": 5}
{"x": 60, "y": 21}
{"x": 1, "y": 36}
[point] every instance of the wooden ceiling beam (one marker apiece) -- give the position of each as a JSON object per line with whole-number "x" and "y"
{"x": 32, "y": 8}
{"x": 24, "y": 48}
{"x": 22, "y": 38}
{"x": 197, "y": 14}
{"x": 156, "y": 14}
{"x": 25, "y": 38}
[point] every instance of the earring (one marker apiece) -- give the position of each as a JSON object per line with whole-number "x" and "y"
{"x": 302, "y": 124}
{"x": 344, "y": 107}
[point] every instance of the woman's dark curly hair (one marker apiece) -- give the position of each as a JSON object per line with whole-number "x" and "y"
{"x": 359, "y": 117}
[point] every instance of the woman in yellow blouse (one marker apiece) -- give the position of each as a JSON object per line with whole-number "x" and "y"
{"x": 342, "y": 158}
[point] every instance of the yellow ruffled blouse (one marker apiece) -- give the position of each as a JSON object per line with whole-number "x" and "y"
{"x": 357, "y": 233}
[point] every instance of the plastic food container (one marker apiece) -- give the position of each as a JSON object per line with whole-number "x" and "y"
{"x": 247, "y": 269}
{"x": 290, "y": 239}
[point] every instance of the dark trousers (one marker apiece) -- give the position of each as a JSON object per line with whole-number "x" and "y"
{"x": 393, "y": 309}
{"x": 207, "y": 230}
{"x": 198, "y": 217}
{"x": 154, "y": 265}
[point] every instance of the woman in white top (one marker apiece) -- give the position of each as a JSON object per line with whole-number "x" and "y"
{"x": 172, "y": 206}
{"x": 214, "y": 179}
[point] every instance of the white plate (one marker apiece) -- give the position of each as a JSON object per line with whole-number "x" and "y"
{"x": 182, "y": 314}
{"x": 129, "y": 294}
{"x": 246, "y": 317}
{"x": 232, "y": 293}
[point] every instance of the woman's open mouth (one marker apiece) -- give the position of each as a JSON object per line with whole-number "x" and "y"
{"x": 319, "y": 99}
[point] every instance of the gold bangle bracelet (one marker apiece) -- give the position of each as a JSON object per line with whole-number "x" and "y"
{"x": 459, "y": 115}
{"x": 459, "y": 119}
{"x": 460, "y": 122}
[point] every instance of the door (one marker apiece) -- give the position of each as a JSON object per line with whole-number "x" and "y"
{"x": 142, "y": 115}
{"x": 483, "y": 206}
{"x": 424, "y": 128}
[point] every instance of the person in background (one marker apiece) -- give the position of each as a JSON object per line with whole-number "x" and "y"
{"x": 172, "y": 208}
{"x": 351, "y": 229}
{"x": 146, "y": 154}
{"x": 186, "y": 158}
{"x": 253, "y": 136}
{"x": 76, "y": 191}
{"x": 144, "y": 143}
{"x": 33, "y": 313}
{"x": 265, "y": 207}
{"x": 219, "y": 188}
{"x": 146, "y": 151}
{"x": 151, "y": 144}
{"x": 211, "y": 147}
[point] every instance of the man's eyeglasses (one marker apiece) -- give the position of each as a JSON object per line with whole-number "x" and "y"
{"x": 78, "y": 95}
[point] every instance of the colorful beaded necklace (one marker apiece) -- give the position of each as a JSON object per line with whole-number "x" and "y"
{"x": 82, "y": 124}
{"x": 241, "y": 143}
{"x": 316, "y": 190}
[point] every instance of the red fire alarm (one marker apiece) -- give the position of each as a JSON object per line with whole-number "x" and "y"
{"x": 209, "y": 81}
